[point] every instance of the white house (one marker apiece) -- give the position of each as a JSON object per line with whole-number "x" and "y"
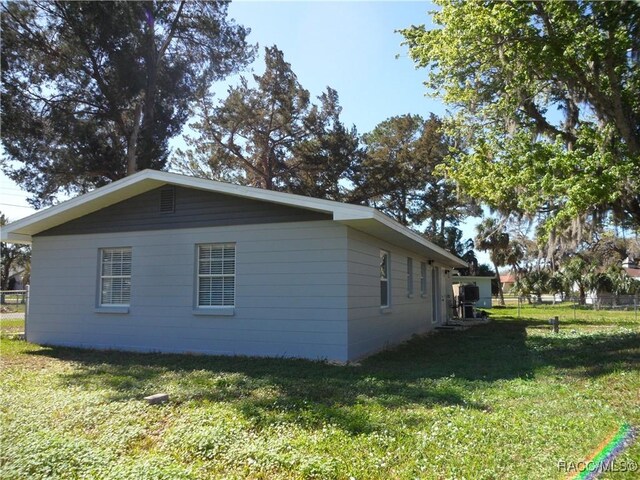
{"x": 164, "y": 262}
{"x": 483, "y": 284}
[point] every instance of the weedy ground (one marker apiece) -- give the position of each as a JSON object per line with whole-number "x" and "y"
{"x": 507, "y": 400}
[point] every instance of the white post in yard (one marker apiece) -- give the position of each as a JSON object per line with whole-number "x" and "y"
{"x": 26, "y": 308}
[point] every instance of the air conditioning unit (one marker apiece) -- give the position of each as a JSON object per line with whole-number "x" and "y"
{"x": 469, "y": 293}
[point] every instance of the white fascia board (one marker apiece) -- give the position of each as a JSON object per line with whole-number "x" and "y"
{"x": 81, "y": 205}
{"x": 470, "y": 278}
{"x": 388, "y": 222}
{"x": 147, "y": 180}
{"x": 8, "y": 237}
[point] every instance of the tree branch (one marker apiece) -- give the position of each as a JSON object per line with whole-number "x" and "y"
{"x": 172, "y": 31}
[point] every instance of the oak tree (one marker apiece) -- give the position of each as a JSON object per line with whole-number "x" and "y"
{"x": 547, "y": 95}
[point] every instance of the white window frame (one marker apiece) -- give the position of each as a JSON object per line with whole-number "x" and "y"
{"x": 223, "y": 308}
{"x": 385, "y": 278}
{"x": 409, "y": 277}
{"x": 423, "y": 279}
{"x": 103, "y": 277}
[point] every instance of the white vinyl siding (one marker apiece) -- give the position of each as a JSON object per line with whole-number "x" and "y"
{"x": 216, "y": 275}
{"x": 373, "y": 327}
{"x": 385, "y": 293}
{"x": 115, "y": 276}
{"x": 290, "y": 292}
{"x": 423, "y": 278}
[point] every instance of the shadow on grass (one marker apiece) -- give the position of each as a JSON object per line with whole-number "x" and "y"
{"x": 434, "y": 370}
{"x": 566, "y": 321}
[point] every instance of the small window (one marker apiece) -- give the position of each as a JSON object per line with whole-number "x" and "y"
{"x": 384, "y": 278}
{"x": 216, "y": 275}
{"x": 167, "y": 200}
{"x": 423, "y": 278}
{"x": 409, "y": 276}
{"x": 115, "y": 277}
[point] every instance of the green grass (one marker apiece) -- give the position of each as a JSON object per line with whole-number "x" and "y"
{"x": 505, "y": 400}
{"x": 583, "y": 316}
{"x": 11, "y": 326}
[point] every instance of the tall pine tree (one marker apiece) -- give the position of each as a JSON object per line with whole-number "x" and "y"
{"x": 93, "y": 91}
{"x": 270, "y": 134}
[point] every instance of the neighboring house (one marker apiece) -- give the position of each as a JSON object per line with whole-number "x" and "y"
{"x": 483, "y": 284}
{"x": 169, "y": 263}
{"x": 630, "y": 266}
{"x": 634, "y": 273}
{"x": 508, "y": 280}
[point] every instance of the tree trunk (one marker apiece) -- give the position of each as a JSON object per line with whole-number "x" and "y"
{"x": 132, "y": 142}
{"x": 148, "y": 102}
{"x": 583, "y": 296}
{"x": 267, "y": 170}
{"x": 5, "y": 273}
{"x": 500, "y": 293}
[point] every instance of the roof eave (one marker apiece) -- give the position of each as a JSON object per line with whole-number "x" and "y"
{"x": 21, "y": 230}
{"x": 455, "y": 261}
{"x": 9, "y": 237}
{"x": 149, "y": 179}
{"x": 380, "y": 226}
{"x": 146, "y": 180}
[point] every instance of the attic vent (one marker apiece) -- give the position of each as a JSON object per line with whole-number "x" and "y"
{"x": 167, "y": 200}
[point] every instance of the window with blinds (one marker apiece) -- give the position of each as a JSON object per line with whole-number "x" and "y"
{"x": 115, "y": 276}
{"x": 216, "y": 275}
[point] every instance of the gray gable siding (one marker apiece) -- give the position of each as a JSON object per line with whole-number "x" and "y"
{"x": 193, "y": 208}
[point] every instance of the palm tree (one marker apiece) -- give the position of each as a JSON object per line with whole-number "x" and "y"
{"x": 558, "y": 284}
{"x": 492, "y": 238}
{"x": 534, "y": 282}
{"x": 539, "y": 279}
{"x": 522, "y": 288}
{"x": 619, "y": 282}
{"x": 579, "y": 273}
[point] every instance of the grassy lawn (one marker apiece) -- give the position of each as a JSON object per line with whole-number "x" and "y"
{"x": 11, "y": 325}
{"x": 584, "y": 317}
{"x": 505, "y": 400}
{"x": 8, "y": 324}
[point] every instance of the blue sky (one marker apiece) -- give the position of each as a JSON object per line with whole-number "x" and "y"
{"x": 349, "y": 46}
